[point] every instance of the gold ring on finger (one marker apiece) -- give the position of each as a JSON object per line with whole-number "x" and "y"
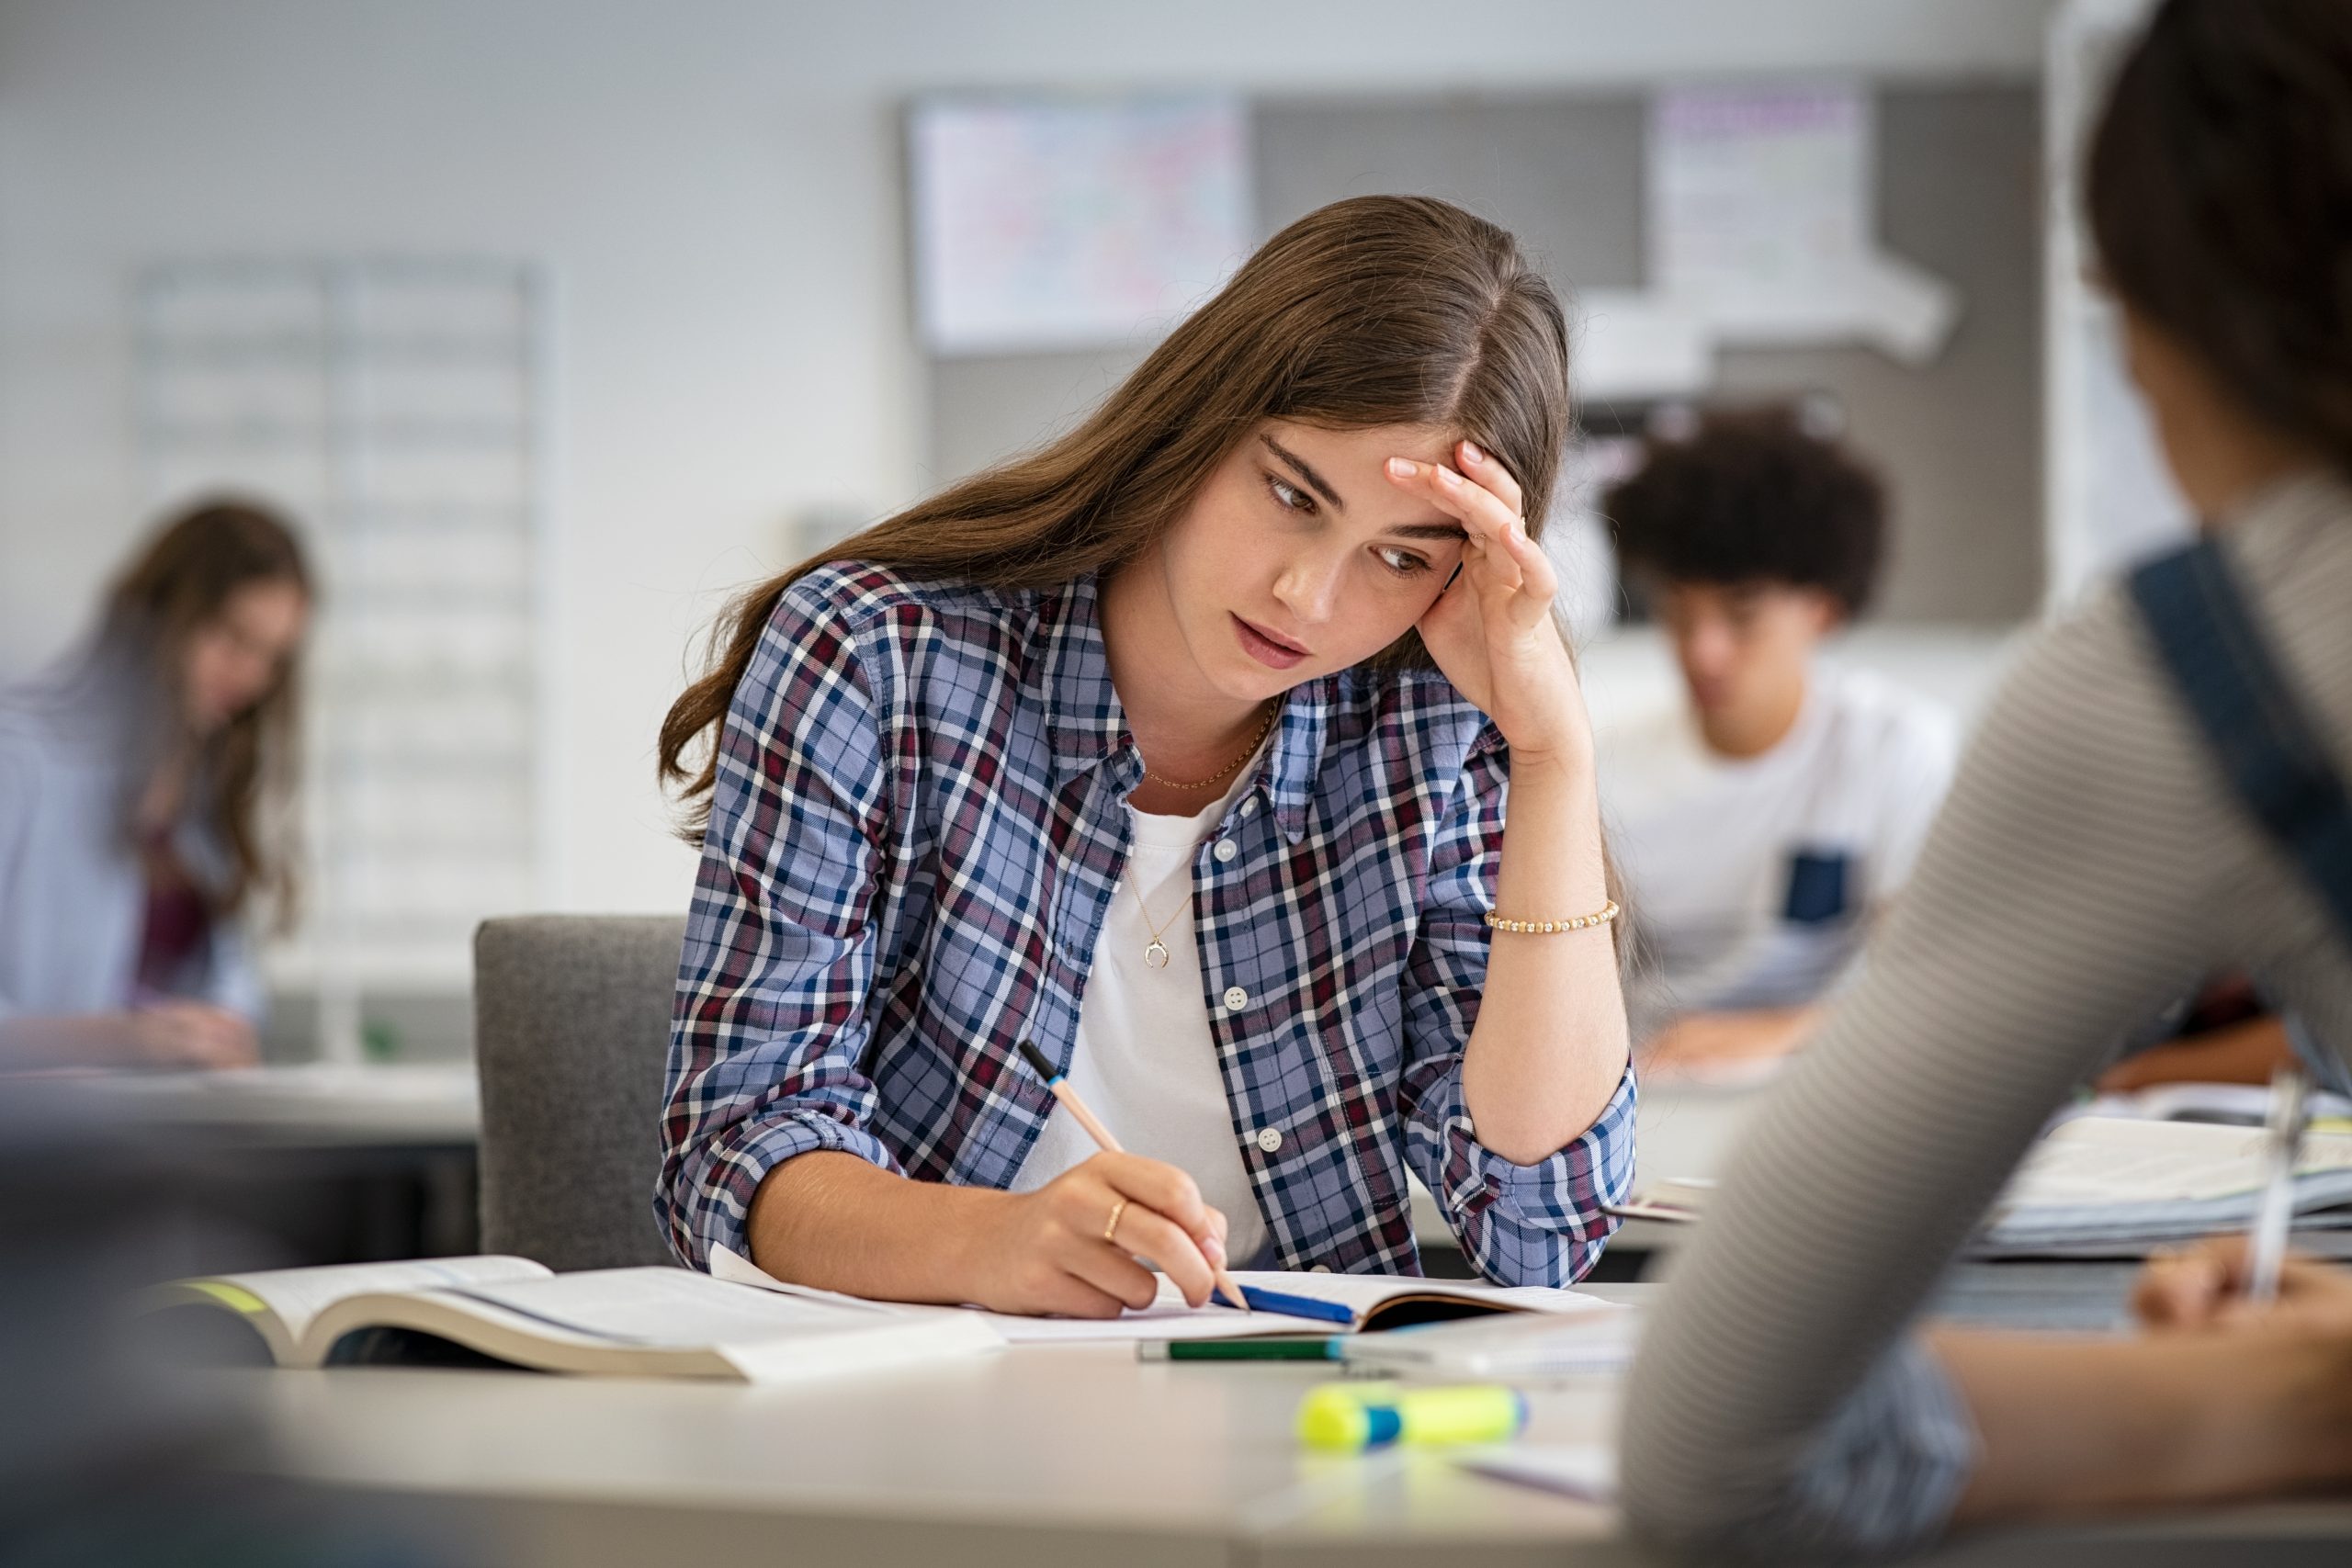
{"x": 1110, "y": 1231}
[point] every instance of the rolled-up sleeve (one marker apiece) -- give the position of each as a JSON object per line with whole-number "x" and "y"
{"x": 1543, "y": 1223}
{"x": 771, "y": 1016}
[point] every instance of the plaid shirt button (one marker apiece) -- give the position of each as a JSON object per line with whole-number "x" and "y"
{"x": 1236, "y": 998}
{"x": 1227, "y": 849}
{"x": 1269, "y": 1138}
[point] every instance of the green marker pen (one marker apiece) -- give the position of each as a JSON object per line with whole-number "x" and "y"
{"x": 1258, "y": 1347}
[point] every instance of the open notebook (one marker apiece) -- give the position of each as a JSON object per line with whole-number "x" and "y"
{"x": 619, "y": 1321}
{"x": 1376, "y": 1301}
{"x": 1508, "y": 1347}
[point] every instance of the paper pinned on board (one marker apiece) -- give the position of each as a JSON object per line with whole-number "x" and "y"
{"x": 1762, "y": 221}
{"x": 1054, "y": 223}
{"x": 1632, "y": 344}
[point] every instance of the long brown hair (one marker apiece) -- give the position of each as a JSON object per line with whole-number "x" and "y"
{"x": 2218, "y": 191}
{"x": 1380, "y": 310}
{"x": 244, "y": 777}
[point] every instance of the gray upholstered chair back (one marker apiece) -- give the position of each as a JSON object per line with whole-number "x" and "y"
{"x": 571, "y": 1030}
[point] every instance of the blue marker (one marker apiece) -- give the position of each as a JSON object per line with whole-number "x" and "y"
{"x": 1298, "y": 1306}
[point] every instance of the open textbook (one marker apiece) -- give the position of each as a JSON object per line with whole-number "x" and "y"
{"x": 2106, "y": 1186}
{"x": 1377, "y": 1302}
{"x": 617, "y": 1321}
{"x": 1510, "y": 1347}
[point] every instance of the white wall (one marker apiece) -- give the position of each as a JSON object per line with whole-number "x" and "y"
{"x": 715, "y": 183}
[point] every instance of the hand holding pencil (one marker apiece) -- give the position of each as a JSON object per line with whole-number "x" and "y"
{"x": 2208, "y": 1285}
{"x": 1148, "y": 1219}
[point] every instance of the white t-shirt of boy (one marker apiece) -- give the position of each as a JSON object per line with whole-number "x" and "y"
{"x": 1751, "y": 882}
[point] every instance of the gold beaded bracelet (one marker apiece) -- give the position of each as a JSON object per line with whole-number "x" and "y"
{"x": 1607, "y": 913}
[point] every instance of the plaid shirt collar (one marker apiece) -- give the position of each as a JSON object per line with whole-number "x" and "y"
{"x": 1071, "y": 673}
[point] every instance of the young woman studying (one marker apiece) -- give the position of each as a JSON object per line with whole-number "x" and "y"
{"x": 1179, "y": 746}
{"x": 2102, "y": 853}
{"x": 142, "y": 793}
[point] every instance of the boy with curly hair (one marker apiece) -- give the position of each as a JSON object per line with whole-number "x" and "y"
{"x": 1761, "y": 825}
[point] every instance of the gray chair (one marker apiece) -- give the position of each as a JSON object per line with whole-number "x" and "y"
{"x": 571, "y": 1031}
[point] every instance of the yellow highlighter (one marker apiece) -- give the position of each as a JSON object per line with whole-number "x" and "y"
{"x": 1352, "y": 1418}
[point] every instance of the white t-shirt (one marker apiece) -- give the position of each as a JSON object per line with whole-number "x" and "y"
{"x": 1146, "y": 1063}
{"x": 1751, "y": 881}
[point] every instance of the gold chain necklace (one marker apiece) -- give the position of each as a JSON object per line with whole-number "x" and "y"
{"x": 1274, "y": 711}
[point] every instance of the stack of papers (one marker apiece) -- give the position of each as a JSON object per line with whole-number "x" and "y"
{"x": 2230, "y": 1104}
{"x": 2103, "y": 1182}
{"x": 2115, "y": 1187}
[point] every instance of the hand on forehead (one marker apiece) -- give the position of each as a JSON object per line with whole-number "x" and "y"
{"x": 1347, "y": 471}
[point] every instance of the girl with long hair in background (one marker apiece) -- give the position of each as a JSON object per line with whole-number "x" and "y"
{"x": 145, "y": 793}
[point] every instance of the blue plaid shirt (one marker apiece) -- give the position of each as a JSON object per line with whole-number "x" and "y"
{"x": 918, "y": 823}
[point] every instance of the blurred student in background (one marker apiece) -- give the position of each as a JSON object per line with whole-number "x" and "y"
{"x": 145, "y": 794}
{"x": 1761, "y": 825}
{"x": 2227, "y": 1035}
{"x": 2101, "y": 850}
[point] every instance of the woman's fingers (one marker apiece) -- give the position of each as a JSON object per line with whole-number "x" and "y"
{"x": 1538, "y": 580}
{"x": 1089, "y": 1213}
{"x": 1158, "y": 1186}
{"x": 1110, "y": 1270}
{"x": 1498, "y": 537}
{"x": 1480, "y": 467}
{"x": 1213, "y": 1244}
{"x": 2205, "y": 1286}
{"x": 2180, "y": 1289}
{"x": 1145, "y": 1233}
{"x": 1487, "y": 515}
{"x": 1159, "y": 1213}
{"x": 1093, "y": 1282}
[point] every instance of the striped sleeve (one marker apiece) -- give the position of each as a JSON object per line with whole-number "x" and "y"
{"x": 1774, "y": 1407}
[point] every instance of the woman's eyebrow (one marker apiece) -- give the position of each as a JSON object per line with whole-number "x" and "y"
{"x": 1429, "y": 531}
{"x": 1313, "y": 480}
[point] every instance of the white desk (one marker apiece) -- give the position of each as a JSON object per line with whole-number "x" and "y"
{"x": 314, "y": 1102}
{"x": 1039, "y": 1456}
{"x": 316, "y": 1162}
